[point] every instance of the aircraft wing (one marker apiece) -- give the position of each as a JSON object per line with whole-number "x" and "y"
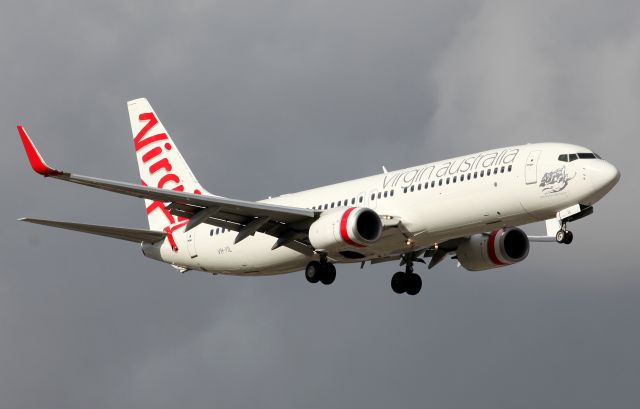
{"x": 134, "y": 235}
{"x": 287, "y": 224}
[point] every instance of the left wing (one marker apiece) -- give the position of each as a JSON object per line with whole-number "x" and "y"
{"x": 289, "y": 225}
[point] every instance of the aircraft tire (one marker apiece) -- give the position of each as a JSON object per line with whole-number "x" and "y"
{"x": 568, "y": 237}
{"x": 398, "y": 282}
{"x": 414, "y": 283}
{"x": 328, "y": 274}
{"x": 313, "y": 272}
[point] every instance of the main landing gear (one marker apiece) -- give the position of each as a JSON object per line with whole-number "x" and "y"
{"x": 320, "y": 271}
{"x": 407, "y": 281}
{"x": 563, "y": 235}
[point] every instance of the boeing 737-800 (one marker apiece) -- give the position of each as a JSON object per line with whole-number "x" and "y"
{"x": 467, "y": 207}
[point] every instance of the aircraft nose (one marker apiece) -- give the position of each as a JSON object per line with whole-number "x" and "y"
{"x": 604, "y": 176}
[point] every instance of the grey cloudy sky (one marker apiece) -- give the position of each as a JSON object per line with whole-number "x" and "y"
{"x": 267, "y": 97}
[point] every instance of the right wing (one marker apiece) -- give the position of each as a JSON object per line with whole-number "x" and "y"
{"x": 121, "y": 233}
{"x": 289, "y": 225}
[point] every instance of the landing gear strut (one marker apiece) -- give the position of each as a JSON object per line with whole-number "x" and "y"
{"x": 320, "y": 271}
{"x": 407, "y": 281}
{"x": 563, "y": 235}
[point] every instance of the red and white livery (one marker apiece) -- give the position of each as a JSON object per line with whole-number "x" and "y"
{"x": 467, "y": 208}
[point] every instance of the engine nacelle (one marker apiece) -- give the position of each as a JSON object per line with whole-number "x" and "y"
{"x": 352, "y": 227}
{"x": 498, "y": 249}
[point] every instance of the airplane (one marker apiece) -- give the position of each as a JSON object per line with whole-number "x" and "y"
{"x": 467, "y": 208}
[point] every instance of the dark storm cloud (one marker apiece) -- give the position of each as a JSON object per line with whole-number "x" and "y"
{"x": 274, "y": 96}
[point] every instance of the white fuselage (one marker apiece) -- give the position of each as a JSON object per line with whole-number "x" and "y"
{"x": 435, "y": 202}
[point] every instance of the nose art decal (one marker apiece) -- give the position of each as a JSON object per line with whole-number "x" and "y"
{"x": 556, "y": 180}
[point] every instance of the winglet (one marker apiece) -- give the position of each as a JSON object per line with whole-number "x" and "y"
{"x": 35, "y": 159}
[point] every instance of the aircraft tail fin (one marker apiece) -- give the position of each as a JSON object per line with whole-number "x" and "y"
{"x": 159, "y": 161}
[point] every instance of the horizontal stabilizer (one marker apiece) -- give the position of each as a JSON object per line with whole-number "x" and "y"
{"x": 122, "y": 233}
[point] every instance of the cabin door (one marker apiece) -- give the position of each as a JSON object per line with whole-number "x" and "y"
{"x": 531, "y": 168}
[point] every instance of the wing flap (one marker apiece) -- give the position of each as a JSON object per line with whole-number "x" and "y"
{"x": 122, "y": 233}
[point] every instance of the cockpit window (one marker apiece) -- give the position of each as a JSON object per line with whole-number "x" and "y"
{"x": 575, "y": 156}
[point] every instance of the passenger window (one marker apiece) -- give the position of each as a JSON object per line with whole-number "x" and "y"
{"x": 353, "y": 201}
{"x": 218, "y": 231}
{"x": 404, "y": 189}
{"x": 496, "y": 170}
{"x": 391, "y": 193}
{"x": 332, "y": 203}
{"x": 433, "y": 183}
{"x": 440, "y": 182}
{"x": 447, "y": 181}
{"x": 563, "y": 158}
{"x": 373, "y": 196}
{"x": 379, "y": 195}
{"x": 339, "y": 202}
{"x": 509, "y": 168}
{"x": 454, "y": 179}
{"x": 385, "y": 194}
{"x": 475, "y": 175}
{"x": 361, "y": 199}
{"x": 501, "y": 169}
{"x": 419, "y": 186}
{"x": 211, "y": 232}
{"x": 488, "y": 172}
{"x": 411, "y": 188}
{"x": 482, "y": 173}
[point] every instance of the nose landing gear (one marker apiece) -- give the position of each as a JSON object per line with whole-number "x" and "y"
{"x": 407, "y": 281}
{"x": 563, "y": 235}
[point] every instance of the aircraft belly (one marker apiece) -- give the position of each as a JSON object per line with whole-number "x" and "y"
{"x": 252, "y": 256}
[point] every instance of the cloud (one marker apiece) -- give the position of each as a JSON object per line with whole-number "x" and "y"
{"x": 276, "y": 96}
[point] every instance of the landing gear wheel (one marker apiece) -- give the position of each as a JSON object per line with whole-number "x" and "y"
{"x": 398, "y": 282}
{"x": 313, "y": 272}
{"x": 560, "y": 236}
{"x": 413, "y": 283}
{"x": 568, "y": 237}
{"x": 328, "y": 274}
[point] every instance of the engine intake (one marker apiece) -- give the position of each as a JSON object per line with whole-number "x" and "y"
{"x": 498, "y": 249}
{"x": 353, "y": 227}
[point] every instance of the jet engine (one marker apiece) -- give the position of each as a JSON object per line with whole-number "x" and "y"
{"x": 496, "y": 249}
{"x": 344, "y": 228}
